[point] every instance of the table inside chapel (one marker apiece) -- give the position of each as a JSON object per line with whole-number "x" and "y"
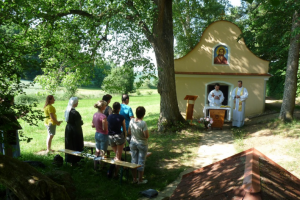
{"x": 217, "y": 114}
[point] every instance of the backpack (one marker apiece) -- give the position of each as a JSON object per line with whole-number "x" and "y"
{"x": 58, "y": 160}
{"x": 150, "y": 193}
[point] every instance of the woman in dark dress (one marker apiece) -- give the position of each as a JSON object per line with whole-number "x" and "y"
{"x": 73, "y": 132}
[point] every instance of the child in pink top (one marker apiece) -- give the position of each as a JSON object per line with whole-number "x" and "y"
{"x": 98, "y": 120}
{"x": 100, "y": 123}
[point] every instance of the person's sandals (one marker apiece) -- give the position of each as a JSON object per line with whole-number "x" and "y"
{"x": 49, "y": 151}
{"x": 143, "y": 182}
{"x": 116, "y": 159}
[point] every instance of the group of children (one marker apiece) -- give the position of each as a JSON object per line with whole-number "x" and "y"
{"x": 112, "y": 128}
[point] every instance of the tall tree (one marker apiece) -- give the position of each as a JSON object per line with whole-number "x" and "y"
{"x": 269, "y": 35}
{"x": 266, "y": 31}
{"x": 162, "y": 41}
{"x": 290, "y": 85}
{"x": 25, "y": 181}
{"x": 75, "y": 32}
{"x": 13, "y": 53}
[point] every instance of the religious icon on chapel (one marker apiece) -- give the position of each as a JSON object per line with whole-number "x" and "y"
{"x": 221, "y": 55}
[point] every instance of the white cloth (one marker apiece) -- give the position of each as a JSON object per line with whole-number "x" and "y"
{"x": 238, "y": 117}
{"x": 72, "y": 102}
{"x": 213, "y": 101}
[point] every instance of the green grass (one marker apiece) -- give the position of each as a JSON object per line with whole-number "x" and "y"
{"x": 171, "y": 152}
{"x": 83, "y": 92}
{"x": 86, "y": 109}
{"x": 238, "y": 136}
{"x": 278, "y": 139}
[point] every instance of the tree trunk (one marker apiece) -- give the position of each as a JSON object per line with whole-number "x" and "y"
{"x": 290, "y": 85}
{"x": 163, "y": 45}
{"x": 27, "y": 183}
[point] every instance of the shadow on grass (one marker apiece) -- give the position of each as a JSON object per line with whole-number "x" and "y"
{"x": 272, "y": 107}
{"x": 151, "y": 120}
{"x": 267, "y": 127}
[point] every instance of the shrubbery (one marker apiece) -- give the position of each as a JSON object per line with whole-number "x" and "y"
{"x": 138, "y": 93}
{"x": 149, "y": 92}
{"x": 27, "y": 99}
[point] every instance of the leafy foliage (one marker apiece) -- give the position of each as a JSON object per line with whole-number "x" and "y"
{"x": 26, "y": 99}
{"x": 71, "y": 81}
{"x": 69, "y": 78}
{"x": 31, "y": 71}
{"x": 191, "y": 17}
{"x": 16, "y": 44}
{"x": 76, "y": 34}
{"x": 50, "y": 80}
{"x": 267, "y": 32}
{"x": 120, "y": 80}
{"x": 100, "y": 72}
{"x": 272, "y": 2}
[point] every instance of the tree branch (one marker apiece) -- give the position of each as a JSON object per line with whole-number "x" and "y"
{"x": 142, "y": 24}
{"x": 81, "y": 13}
{"x": 103, "y": 38}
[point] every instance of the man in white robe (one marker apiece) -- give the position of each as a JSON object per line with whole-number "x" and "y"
{"x": 216, "y": 96}
{"x": 239, "y": 95}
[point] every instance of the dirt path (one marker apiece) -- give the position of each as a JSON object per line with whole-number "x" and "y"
{"x": 214, "y": 146}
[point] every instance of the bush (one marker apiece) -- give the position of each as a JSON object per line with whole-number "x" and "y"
{"x": 149, "y": 92}
{"x": 138, "y": 93}
{"x": 120, "y": 80}
{"x": 149, "y": 84}
{"x": 26, "y": 99}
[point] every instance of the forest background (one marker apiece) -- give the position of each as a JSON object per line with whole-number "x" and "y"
{"x": 265, "y": 35}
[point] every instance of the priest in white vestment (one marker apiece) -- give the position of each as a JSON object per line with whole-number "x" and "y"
{"x": 216, "y": 96}
{"x": 239, "y": 95}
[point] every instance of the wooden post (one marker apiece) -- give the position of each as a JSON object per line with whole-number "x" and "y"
{"x": 190, "y": 107}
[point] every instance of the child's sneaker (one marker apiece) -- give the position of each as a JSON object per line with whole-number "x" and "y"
{"x": 143, "y": 182}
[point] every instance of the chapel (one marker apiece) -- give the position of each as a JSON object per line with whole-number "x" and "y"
{"x": 220, "y": 57}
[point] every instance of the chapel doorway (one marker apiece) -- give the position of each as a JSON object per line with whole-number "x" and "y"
{"x": 224, "y": 88}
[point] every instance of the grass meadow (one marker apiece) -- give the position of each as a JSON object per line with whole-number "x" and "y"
{"x": 172, "y": 152}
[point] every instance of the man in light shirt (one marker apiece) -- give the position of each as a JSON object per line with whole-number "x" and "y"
{"x": 216, "y": 96}
{"x": 239, "y": 95}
